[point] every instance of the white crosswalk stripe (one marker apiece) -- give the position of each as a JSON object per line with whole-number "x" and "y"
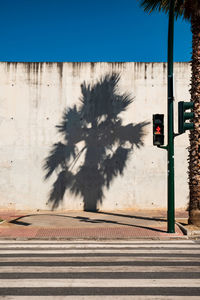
{"x": 91, "y": 270}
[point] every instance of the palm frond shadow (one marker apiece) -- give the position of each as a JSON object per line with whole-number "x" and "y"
{"x": 96, "y": 145}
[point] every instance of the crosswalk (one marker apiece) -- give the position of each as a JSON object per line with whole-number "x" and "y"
{"x": 140, "y": 269}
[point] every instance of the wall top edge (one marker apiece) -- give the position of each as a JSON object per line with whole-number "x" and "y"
{"x": 89, "y": 62}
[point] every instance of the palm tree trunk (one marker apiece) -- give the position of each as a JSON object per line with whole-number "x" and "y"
{"x": 194, "y": 149}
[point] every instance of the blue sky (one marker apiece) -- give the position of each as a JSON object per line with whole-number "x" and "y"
{"x": 87, "y": 30}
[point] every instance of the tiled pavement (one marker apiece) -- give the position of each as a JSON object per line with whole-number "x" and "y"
{"x": 86, "y": 232}
{"x": 83, "y": 225}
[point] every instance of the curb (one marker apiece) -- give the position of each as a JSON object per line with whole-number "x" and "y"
{"x": 189, "y": 233}
{"x": 165, "y": 238}
{"x": 184, "y": 230}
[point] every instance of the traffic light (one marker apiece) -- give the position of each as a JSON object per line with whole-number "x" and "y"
{"x": 183, "y": 116}
{"x": 158, "y": 129}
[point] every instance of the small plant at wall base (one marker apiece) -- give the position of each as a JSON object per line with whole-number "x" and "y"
{"x": 190, "y": 10}
{"x": 96, "y": 145}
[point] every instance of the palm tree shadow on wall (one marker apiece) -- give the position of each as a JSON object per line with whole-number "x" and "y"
{"x": 96, "y": 145}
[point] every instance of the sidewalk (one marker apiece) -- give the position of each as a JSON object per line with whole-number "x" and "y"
{"x": 87, "y": 225}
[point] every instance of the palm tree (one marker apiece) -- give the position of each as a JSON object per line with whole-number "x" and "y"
{"x": 189, "y": 10}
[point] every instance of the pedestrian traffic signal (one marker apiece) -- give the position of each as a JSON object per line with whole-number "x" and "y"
{"x": 158, "y": 129}
{"x": 184, "y": 116}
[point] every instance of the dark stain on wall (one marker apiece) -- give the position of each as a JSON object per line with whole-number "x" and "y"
{"x": 145, "y": 71}
{"x": 76, "y": 68}
{"x": 138, "y": 67}
{"x": 28, "y": 70}
{"x": 34, "y": 72}
{"x": 118, "y": 65}
{"x": 32, "y": 68}
{"x": 164, "y": 67}
{"x": 60, "y": 69}
{"x": 49, "y": 64}
{"x": 36, "y": 67}
{"x": 92, "y": 64}
{"x": 8, "y": 66}
{"x": 152, "y": 68}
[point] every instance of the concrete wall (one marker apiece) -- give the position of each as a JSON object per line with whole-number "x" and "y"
{"x": 33, "y": 97}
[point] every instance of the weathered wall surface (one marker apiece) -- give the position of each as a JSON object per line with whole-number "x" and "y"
{"x": 33, "y": 98}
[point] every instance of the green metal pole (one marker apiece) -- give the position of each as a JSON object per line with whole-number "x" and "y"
{"x": 170, "y": 212}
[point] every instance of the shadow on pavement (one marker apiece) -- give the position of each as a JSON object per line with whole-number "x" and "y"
{"x": 135, "y": 217}
{"x": 80, "y": 219}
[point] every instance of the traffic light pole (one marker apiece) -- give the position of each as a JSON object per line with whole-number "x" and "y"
{"x": 183, "y": 125}
{"x": 170, "y": 148}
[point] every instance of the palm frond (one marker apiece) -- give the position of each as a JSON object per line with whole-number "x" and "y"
{"x": 191, "y": 7}
{"x": 72, "y": 125}
{"x": 59, "y": 156}
{"x": 62, "y": 183}
{"x": 115, "y": 164}
{"x": 185, "y": 8}
{"x": 132, "y": 133}
{"x": 103, "y": 99}
{"x": 121, "y": 103}
{"x": 151, "y": 5}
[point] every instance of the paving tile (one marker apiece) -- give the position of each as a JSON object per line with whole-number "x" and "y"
{"x": 18, "y": 232}
{"x": 132, "y": 225}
